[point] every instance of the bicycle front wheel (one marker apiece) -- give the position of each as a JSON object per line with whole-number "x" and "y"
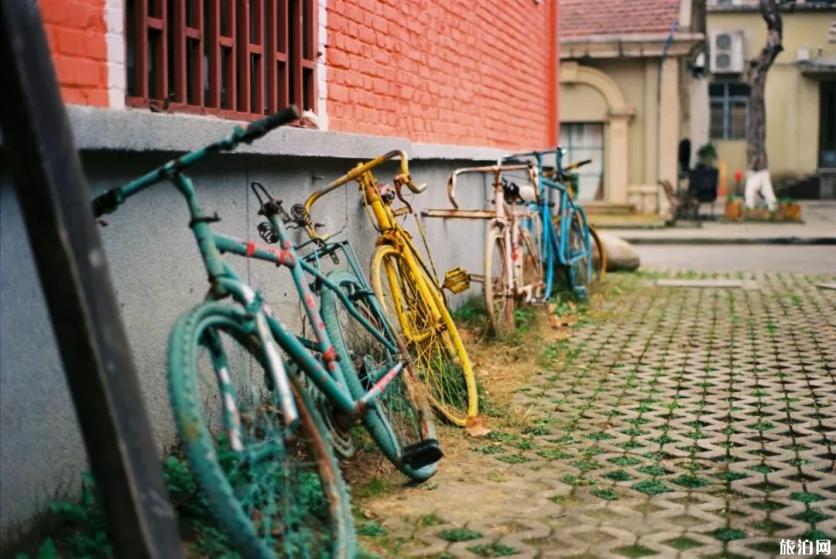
{"x": 498, "y": 283}
{"x": 275, "y": 490}
{"x": 399, "y": 420}
{"x": 430, "y": 335}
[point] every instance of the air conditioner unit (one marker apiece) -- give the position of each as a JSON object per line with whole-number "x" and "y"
{"x": 726, "y": 52}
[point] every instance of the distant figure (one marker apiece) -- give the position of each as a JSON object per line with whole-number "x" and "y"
{"x": 758, "y": 182}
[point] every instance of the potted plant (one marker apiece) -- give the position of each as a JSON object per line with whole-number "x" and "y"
{"x": 734, "y": 203}
{"x": 702, "y": 179}
{"x": 788, "y": 210}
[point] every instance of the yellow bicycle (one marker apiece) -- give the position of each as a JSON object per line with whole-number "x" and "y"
{"x": 409, "y": 290}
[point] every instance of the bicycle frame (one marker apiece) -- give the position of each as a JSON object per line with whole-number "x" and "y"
{"x": 324, "y": 373}
{"x": 391, "y": 231}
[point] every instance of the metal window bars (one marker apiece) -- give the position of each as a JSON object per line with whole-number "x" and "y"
{"x": 234, "y": 58}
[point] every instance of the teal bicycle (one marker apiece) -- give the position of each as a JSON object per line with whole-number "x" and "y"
{"x": 239, "y": 386}
{"x": 566, "y": 239}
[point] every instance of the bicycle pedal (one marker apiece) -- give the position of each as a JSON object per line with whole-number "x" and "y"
{"x": 422, "y": 453}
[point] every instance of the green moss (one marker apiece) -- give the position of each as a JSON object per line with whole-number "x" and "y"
{"x": 635, "y": 550}
{"x": 607, "y": 494}
{"x": 728, "y": 534}
{"x": 683, "y": 543}
{"x": 459, "y": 535}
{"x": 513, "y": 458}
{"x": 651, "y": 487}
{"x": 431, "y": 519}
{"x": 804, "y": 497}
{"x": 618, "y": 475}
{"x": 691, "y": 481}
{"x": 625, "y": 461}
{"x": 372, "y": 529}
{"x": 494, "y": 549}
{"x": 731, "y": 476}
{"x": 811, "y": 515}
{"x": 554, "y": 454}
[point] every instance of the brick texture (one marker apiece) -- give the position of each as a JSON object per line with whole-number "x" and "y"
{"x": 76, "y": 33}
{"x": 475, "y": 73}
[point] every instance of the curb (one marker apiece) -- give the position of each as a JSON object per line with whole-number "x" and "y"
{"x": 730, "y": 240}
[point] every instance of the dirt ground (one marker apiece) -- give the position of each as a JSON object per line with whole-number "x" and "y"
{"x": 657, "y": 421}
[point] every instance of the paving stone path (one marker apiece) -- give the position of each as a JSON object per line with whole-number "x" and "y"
{"x": 693, "y": 422}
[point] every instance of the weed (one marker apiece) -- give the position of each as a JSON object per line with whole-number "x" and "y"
{"x": 494, "y": 549}
{"x": 431, "y": 519}
{"x": 459, "y": 535}
{"x": 371, "y": 529}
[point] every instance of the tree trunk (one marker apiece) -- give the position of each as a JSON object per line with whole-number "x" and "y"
{"x": 756, "y": 76}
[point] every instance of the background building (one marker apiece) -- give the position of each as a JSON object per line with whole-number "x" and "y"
{"x": 800, "y": 92}
{"x": 148, "y": 78}
{"x": 626, "y": 94}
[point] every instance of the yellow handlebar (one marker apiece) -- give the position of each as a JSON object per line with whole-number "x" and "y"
{"x": 400, "y": 180}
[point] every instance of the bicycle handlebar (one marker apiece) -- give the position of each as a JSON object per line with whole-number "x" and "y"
{"x": 496, "y": 169}
{"x": 260, "y": 127}
{"x": 110, "y": 200}
{"x": 576, "y": 164}
{"x": 403, "y": 179}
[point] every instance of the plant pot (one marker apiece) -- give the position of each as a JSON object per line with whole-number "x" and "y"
{"x": 790, "y": 211}
{"x": 734, "y": 210}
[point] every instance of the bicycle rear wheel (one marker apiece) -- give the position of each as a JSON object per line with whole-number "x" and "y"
{"x": 429, "y": 332}
{"x": 399, "y": 420}
{"x": 579, "y": 268}
{"x": 276, "y": 491}
{"x": 497, "y": 286}
{"x": 599, "y": 254}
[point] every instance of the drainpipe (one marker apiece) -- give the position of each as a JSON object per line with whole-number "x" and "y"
{"x": 665, "y": 48}
{"x": 553, "y": 73}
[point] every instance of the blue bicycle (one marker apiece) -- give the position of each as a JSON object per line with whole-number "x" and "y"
{"x": 566, "y": 240}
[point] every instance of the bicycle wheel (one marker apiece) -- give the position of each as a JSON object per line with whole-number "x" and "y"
{"x": 276, "y": 491}
{"x": 599, "y": 254}
{"x": 532, "y": 266}
{"x": 579, "y": 269}
{"x": 399, "y": 420}
{"x": 498, "y": 283}
{"x": 430, "y": 335}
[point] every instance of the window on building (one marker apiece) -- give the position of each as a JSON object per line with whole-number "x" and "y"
{"x": 236, "y": 58}
{"x": 585, "y": 140}
{"x": 729, "y": 110}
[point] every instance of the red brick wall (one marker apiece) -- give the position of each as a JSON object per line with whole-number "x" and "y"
{"x": 76, "y": 33}
{"x": 473, "y": 73}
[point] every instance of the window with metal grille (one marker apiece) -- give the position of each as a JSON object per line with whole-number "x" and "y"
{"x": 236, "y": 58}
{"x": 729, "y": 110}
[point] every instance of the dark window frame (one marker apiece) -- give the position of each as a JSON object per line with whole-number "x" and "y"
{"x": 725, "y": 100}
{"x": 237, "y": 59}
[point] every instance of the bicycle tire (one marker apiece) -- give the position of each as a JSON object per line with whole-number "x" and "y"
{"x": 451, "y": 383}
{"x": 532, "y": 265}
{"x": 316, "y": 510}
{"x": 400, "y": 417}
{"x": 578, "y": 272}
{"x": 499, "y": 303}
{"x": 599, "y": 256}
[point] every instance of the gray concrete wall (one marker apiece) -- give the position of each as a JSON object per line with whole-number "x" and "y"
{"x": 157, "y": 273}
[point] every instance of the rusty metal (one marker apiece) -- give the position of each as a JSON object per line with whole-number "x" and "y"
{"x": 234, "y": 58}
{"x": 445, "y": 213}
{"x": 456, "y": 280}
{"x": 496, "y": 170}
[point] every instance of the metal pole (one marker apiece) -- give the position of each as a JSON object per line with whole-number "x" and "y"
{"x": 94, "y": 348}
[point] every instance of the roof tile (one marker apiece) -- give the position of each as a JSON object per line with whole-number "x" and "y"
{"x": 580, "y": 18}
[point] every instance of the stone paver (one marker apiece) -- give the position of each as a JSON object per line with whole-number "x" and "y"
{"x": 688, "y": 423}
